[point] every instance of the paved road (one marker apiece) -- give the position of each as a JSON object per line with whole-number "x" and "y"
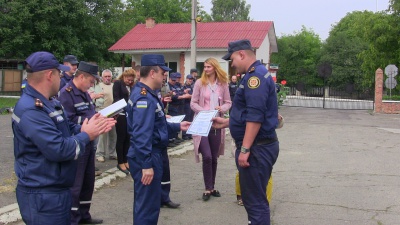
{"x": 335, "y": 167}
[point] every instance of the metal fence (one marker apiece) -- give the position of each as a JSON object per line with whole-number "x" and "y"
{"x": 331, "y": 95}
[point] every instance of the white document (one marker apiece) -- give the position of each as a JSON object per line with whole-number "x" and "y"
{"x": 201, "y": 124}
{"x": 176, "y": 119}
{"x": 113, "y": 109}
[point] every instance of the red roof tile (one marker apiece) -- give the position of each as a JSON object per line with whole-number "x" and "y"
{"x": 177, "y": 35}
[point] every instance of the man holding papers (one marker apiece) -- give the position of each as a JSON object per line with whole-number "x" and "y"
{"x": 253, "y": 119}
{"x": 149, "y": 132}
{"x": 76, "y": 101}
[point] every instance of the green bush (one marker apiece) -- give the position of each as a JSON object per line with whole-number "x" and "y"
{"x": 393, "y": 97}
{"x": 282, "y": 94}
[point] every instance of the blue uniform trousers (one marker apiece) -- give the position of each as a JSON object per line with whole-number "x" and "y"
{"x": 175, "y": 110}
{"x": 188, "y": 117}
{"x": 147, "y": 198}
{"x": 254, "y": 179}
{"x": 165, "y": 179}
{"x": 44, "y": 206}
{"x": 82, "y": 190}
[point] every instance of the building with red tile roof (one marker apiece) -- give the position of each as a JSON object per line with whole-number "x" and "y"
{"x": 173, "y": 40}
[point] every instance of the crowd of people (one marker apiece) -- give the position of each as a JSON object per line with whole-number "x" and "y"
{"x": 58, "y": 142}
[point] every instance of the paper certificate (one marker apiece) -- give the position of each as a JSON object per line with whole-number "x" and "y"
{"x": 175, "y": 119}
{"x": 113, "y": 109}
{"x": 201, "y": 124}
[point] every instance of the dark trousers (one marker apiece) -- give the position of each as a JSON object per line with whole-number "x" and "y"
{"x": 83, "y": 187}
{"x": 147, "y": 198}
{"x": 209, "y": 147}
{"x": 254, "y": 179}
{"x": 188, "y": 117}
{"x": 175, "y": 110}
{"x": 44, "y": 206}
{"x": 165, "y": 179}
{"x": 122, "y": 145}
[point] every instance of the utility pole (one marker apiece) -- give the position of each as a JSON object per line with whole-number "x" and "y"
{"x": 193, "y": 35}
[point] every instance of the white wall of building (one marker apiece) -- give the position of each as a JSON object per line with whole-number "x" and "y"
{"x": 203, "y": 55}
{"x": 263, "y": 52}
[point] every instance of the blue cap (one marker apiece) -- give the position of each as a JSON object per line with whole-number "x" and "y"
{"x": 175, "y": 76}
{"x": 154, "y": 60}
{"x": 193, "y": 70}
{"x": 40, "y": 61}
{"x": 189, "y": 76}
{"x": 71, "y": 59}
{"x": 89, "y": 68}
{"x": 236, "y": 46}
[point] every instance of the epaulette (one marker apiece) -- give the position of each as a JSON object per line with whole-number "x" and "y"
{"x": 252, "y": 69}
{"x": 38, "y": 103}
{"x": 69, "y": 89}
{"x": 143, "y": 91}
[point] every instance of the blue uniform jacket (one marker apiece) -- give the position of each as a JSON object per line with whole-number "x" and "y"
{"x": 255, "y": 101}
{"x": 77, "y": 103}
{"x": 178, "y": 90}
{"x": 186, "y": 86}
{"x": 147, "y": 125}
{"x": 46, "y": 144}
{"x": 65, "y": 79}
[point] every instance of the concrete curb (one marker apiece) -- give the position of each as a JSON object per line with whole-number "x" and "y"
{"x": 10, "y": 213}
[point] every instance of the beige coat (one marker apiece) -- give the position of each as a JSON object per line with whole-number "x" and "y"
{"x": 197, "y": 104}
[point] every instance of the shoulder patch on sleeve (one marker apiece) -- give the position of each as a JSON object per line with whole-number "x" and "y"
{"x": 38, "y": 103}
{"x": 141, "y": 104}
{"x": 253, "y": 82}
{"x": 143, "y": 91}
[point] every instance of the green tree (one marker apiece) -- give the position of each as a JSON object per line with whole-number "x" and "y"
{"x": 83, "y": 28}
{"x": 230, "y": 10}
{"x": 343, "y": 47}
{"x": 394, "y": 7}
{"x": 163, "y": 11}
{"x": 297, "y": 58}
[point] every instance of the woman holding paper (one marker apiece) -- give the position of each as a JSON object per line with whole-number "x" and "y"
{"x": 210, "y": 92}
{"x": 122, "y": 90}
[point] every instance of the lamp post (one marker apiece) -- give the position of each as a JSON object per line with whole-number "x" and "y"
{"x": 193, "y": 35}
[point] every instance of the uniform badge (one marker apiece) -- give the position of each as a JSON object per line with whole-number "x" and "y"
{"x": 252, "y": 69}
{"x": 69, "y": 89}
{"x": 141, "y": 104}
{"x": 38, "y": 103}
{"x": 143, "y": 92}
{"x": 253, "y": 82}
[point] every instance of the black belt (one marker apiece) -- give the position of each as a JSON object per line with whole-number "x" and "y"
{"x": 263, "y": 141}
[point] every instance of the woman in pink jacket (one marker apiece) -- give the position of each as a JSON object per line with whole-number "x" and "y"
{"x": 210, "y": 92}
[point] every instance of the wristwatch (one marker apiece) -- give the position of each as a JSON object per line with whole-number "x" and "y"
{"x": 244, "y": 150}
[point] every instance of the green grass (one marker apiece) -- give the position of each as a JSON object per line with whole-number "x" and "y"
{"x": 8, "y": 102}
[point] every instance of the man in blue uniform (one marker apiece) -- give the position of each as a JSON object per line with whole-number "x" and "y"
{"x": 188, "y": 89}
{"x": 253, "y": 119}
{"x": 176, "y": 106}
{"x": 79, "y": 106}
{"x": 72, "y": 62}
{"x": 46, "y": 145}
{"x": 149, "y": 132}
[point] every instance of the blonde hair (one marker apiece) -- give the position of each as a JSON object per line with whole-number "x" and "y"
{"x": 127, "y": 73}
{"x": 220, "y": 74}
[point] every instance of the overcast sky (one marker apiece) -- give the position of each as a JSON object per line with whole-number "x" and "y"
{"x": 289, "y": 15}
